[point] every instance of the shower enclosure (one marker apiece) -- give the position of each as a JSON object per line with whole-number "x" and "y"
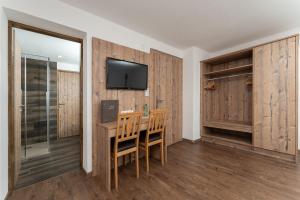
{"x": 39, "y": 105}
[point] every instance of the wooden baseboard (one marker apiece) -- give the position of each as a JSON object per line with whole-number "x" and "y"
{"x": 191, "y": 141}
{"x": 213, "y": 140}
{"x": 276, "y": 155}
{"x": 263, "y": 152}
{"x": 88, "y": 174}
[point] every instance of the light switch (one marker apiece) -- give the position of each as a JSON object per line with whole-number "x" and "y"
{"x": 147, "y": 92}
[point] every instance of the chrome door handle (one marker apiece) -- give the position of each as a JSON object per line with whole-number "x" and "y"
{"x": 21, "y": 107}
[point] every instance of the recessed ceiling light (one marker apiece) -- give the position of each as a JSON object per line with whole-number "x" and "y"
{"x": 59, "y": 57}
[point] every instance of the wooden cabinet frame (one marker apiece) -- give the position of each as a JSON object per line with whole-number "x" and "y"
{"x": 220, "y": 131}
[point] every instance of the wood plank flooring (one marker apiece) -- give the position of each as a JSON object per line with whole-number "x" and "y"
{"x": 193, "y": 171}
{"x": 64, "y": 156}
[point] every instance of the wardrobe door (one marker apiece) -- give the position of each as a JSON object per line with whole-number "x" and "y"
{"x": 168, "y": 92}
{"x": 274, "y": 99}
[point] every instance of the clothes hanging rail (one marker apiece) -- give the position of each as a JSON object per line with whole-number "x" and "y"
{"x": 223, "y": 77}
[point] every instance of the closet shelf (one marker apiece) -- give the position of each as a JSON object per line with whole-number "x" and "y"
{"x": 229, "y": 138}
{"x": 233, "y": 70}
{"x": 233, "y": 126}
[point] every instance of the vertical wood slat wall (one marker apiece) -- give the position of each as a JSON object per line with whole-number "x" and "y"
{"x": 259, "y": 113}
{"x": 158, "y": 84}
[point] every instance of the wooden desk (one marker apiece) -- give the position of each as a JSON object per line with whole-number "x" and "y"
{"x": 105, "y": 132}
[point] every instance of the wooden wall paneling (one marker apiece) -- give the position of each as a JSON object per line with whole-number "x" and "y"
{"x": 206, "y": 101}
{"x": 275, "y": 96}
{"x": 160, "y": 83}
{"x": 138, "y": 95}
{"x": 232, "y": 99}
{"x": 151, "y": 81}
{"x": 98, "y": 56}
{"x": 168, "y": 97}
{"x": 128, "y": 99}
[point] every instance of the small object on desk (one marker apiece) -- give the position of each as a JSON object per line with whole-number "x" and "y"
{"x": 109, "y": 110}
{"x": 146, "y": 110}
{"x": 126, "y": 111}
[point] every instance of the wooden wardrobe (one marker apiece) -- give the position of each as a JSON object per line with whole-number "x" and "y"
{"x": 249, "y": 99}
{"x": 168, "y": 91}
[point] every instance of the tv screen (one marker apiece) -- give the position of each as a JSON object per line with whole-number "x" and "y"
{"x": 122, "y": 74}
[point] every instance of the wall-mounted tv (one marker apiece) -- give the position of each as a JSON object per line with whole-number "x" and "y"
{"x": 121, "y": 74}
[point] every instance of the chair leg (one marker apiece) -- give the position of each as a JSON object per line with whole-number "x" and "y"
{"x": 130, "y": 157}
{"x": 147, "y": 158}
{"x": 116, "y": 172}
{"x": 162, "y": 153}
{"x": 137, "y": 164}
{"x": 124, "y": 160}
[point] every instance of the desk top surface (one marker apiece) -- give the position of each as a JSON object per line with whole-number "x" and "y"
{"x": 113, "y": 125}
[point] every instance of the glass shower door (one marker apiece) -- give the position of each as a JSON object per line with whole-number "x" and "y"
{"x": 35, "y": 98}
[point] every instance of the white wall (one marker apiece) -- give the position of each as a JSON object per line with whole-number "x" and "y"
{"x": 191, "y": 92}
{"x": 188, "y": 95}
{"x": 256, "y": 42}
{"x": 68, "y": 67}
{"x": 3, "y": 107}
{"x": 62, "y": 18}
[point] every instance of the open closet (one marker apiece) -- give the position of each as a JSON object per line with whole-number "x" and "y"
{"x": 249, "y": 99}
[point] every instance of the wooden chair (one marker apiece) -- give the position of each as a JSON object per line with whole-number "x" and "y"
{"x": 126, "y": 140}
{"x": 154, "y": 134}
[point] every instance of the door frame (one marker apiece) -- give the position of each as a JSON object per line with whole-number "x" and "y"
{"x": 11, "y": 152}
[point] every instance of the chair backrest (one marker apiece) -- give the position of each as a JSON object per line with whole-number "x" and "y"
{"x": 157, "y": 121}
{"x": 128, "y": 126}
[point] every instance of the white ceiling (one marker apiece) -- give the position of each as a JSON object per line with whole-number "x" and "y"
{"x": 209, "y": 24}
{"x": 58, "y": 50}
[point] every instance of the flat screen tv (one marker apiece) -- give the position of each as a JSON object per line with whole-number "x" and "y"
{"x": 122, "y": 74}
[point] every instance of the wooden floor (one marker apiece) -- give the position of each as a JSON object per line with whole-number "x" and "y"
{"x": 64, "y": 156}
{"x": 194, "y": 171}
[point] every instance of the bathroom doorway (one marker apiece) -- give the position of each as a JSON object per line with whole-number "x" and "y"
{"x": 46, "y": 88}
